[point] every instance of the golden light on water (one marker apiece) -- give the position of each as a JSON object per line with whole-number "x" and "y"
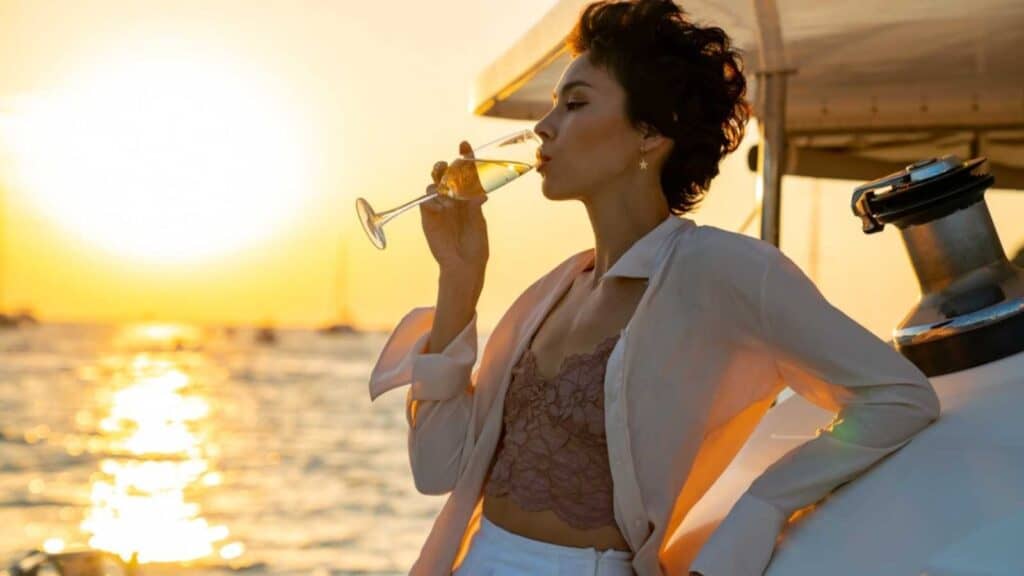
{"x": 144, "y": 503}
{"x": 165, "y": 332}
{"x": 232, "y": 551}
{"x": 158, "y": 416}
{"x": 53, "y": 546}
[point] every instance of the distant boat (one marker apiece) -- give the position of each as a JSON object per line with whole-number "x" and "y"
{"x": 336, "y": 329}
{"x": 22, "y": 318}
{"x": 266, "y": 335}
{"x": 343, "y": 325}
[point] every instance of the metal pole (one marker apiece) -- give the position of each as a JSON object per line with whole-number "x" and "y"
{"x": 771, "y": 156}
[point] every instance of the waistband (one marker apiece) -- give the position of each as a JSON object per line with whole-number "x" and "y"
{"x": 491, "y": 531}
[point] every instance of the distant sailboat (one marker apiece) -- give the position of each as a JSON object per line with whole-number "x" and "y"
{"x": 343, "y": 325}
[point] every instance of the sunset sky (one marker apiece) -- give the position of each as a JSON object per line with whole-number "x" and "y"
{"x": 198, "y": 161}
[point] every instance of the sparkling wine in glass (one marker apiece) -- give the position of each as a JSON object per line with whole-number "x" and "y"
{"x": 492, "y": 166}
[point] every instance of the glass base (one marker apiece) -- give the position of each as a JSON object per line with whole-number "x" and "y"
{"x": 368, "y": 218}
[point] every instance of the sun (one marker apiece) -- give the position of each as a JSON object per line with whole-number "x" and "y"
{"x": 163, "y": 154}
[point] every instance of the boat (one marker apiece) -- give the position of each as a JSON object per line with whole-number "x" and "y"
{"x": 342, "y": 326}
{"x": 23, "y": 317}
{"x": 266, "y": 335}
{"x": 337, "y": 329}
{"x": 929, "y": 94}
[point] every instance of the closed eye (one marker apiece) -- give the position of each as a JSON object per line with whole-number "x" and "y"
{"x": 571, "y": 105}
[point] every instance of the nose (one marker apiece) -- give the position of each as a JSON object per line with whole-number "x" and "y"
{"x": 542, "y": 129}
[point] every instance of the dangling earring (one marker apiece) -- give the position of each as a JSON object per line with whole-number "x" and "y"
{"x": 643, "y": 163}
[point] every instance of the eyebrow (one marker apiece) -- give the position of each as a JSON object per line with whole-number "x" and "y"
{"x": 568, "y": 86}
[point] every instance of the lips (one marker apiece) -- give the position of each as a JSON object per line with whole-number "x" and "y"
{"x": 542, "y": 161}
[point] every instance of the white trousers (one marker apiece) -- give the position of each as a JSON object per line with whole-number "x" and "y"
{"x": 495, "y": 551}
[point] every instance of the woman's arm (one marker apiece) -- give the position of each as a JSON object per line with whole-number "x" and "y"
{"x": 456, "y": 305}
{"x": 434, "y": 349}
{"x": 882, "y": 401}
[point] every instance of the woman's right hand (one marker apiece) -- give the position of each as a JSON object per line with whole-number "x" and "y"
{"x": 455, "y": 228}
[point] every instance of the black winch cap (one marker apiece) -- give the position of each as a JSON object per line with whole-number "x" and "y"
{"x": 924, "y": 191}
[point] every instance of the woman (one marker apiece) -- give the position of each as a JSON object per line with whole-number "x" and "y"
{"x": 619, "y": 385}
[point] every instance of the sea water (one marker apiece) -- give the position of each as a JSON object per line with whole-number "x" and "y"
{"x": 203, "y": 451}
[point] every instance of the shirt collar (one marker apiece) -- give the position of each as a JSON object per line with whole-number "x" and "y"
{"x": 639, "y": 259}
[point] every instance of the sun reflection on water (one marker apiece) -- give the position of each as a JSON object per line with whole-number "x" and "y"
{"x": 143, "y": 499}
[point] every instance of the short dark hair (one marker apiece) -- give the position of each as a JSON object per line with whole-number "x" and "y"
{"x": 684, "y": 80}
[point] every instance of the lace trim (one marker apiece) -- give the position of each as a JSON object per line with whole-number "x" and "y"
{"x": 571, "y": 361}
{"x": 552, "y": 453}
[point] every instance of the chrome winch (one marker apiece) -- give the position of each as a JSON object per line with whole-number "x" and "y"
{"x": 971, "y": 309}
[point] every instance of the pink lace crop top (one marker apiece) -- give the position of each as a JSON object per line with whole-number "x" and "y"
{"x": 552, "y": 453}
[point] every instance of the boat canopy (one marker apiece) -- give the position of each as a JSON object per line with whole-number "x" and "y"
{"x": 871, "y": 86}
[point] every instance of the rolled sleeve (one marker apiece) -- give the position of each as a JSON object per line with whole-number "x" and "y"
{"x": 436, "y": 376}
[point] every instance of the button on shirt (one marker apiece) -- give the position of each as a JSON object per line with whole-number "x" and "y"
{"x": 726, "y": 322}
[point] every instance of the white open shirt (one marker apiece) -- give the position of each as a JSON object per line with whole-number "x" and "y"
{"x": 726, "y": 323}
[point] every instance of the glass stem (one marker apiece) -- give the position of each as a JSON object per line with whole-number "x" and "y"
{"x": 384, "y": 217}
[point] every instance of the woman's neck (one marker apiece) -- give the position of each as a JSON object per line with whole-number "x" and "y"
{"x": 617, "y": 228}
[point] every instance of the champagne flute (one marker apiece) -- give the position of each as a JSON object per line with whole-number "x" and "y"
{"x": 491, "y": 166}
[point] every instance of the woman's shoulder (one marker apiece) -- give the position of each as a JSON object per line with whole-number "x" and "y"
{"x": 718, "y": 255}
{"x": 715, "y": 241}
{"x": 716, "y": 246}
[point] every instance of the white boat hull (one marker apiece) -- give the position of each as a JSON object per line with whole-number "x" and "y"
{"x": 940, "y": 505}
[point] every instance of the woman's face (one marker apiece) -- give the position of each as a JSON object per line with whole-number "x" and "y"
{"x": 586, "y": 134}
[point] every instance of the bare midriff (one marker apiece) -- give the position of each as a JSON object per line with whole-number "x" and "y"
{"x": 546, "y": 526}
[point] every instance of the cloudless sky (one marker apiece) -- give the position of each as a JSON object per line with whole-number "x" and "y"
{"x": 199, "y": 161}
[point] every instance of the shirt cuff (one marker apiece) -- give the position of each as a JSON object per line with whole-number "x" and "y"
{"x": 743, "y": 543}
{"x": 436, "y": 376}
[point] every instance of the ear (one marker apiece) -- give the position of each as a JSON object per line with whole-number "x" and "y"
{"x": 652, "y": 139}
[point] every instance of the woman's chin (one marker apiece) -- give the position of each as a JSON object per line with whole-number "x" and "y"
{"x": 545, "y": 188}
{"x": 550, "y": 191}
